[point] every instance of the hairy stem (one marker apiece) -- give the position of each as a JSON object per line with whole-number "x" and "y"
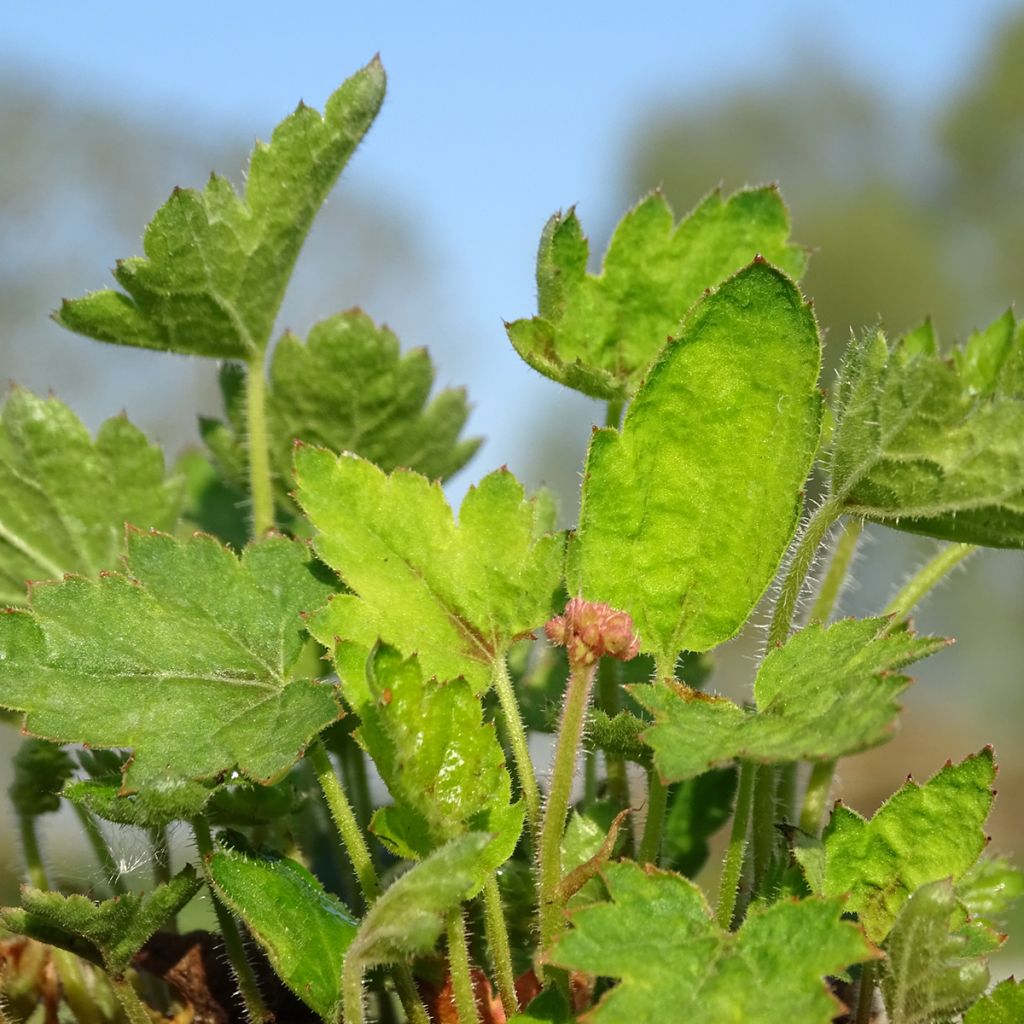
{"x": 458, "y": 963}
{"x": 345, "y": 820}
{"x": 569, "y": 734}
{"x": 134, "y": 1008}
{"x": 100, "y": 849}
{"x": 613, "y": 414}
{"x": 498, "y": 943}
{"x": 517, "y": 740}
{"x": 838, "y": 566}
{"x": 654, "y": 825}
{"x": 353, "y": 1010}
{"x": 732, "y": 870}
{"x": 608, "y": 701}
{"x": 261, "y": 488}
{"x": 763, "y": 828}
{"x": 816, "y": 797}
{"x": 247, "y": 985}
{"x": 866, "y": 993}
{"x": 927, "y": 578}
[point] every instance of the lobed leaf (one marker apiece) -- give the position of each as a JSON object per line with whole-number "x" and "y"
{"x": 919, "y": 835}
{"x": 305, "y": 931}
{"x": 1003, "y": 1005}
{"x": 66, "y": 498}
{"x": 599, "y": 333}
{"x": 827, "y": 692}
{"x": 216, "y": 265}
{"x": 455, "y": 595}
{"x": 930, "y": 444}
{"x": 687, "y": 511}
{"x": 657, "y": 937}
{"x": 930, "y": 972}
{"x": 104, "y": 663}
{"x": 990, "y": 888}
{"x": 442, "y": 765}
{"x": 109, "y": 933}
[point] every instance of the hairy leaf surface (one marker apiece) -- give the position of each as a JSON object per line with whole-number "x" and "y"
{"x": 828, "y": 692}
{"x": 599, "y": 333}
{"x": 931, "y": 444}
{"x": 66, "y": 498}
{"x": 216, "y": 265}
{"x": 185, "y": 659}
{"x": 921, "y": 834}
{"x": 658, "y": 938}
{"x": 304, "y": 930}
{"x": 455, "y": 595}
{"x": 40, "y": 770}
{"x": 1003, "y": 1005}
{"x": 687, "y": 511}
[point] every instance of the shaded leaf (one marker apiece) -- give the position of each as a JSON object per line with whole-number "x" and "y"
{"x": 455, "y": 595}
{"x": 1003, "y": 1005}
{"x": 304, "y": 930}
{"x": 66, "y": 498}
{"x": 217, "y": 264}
{"x": 213, "y": 504}
{"x": 929, "y": 972}
{"x": 40, "y": 770}
{"x": 697, "y": 809}
{"x": 599, "y": 333}
{"x": 827, "y": 692}
{"x": 990, "y": 888}
{"x": 712, "y": 458}
{"x": 103, "y": 662}
{"x": 658, "y": 938}
{"x": 109, "y": 933}
{"x": 921, "y": 834}
{"x": 931, "y": 444}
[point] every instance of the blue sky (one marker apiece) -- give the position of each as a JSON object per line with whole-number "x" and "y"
{"x": 496, "y": 115}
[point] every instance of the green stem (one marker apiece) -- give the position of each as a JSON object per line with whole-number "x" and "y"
{"x": 345, "y": 821}
{"x": 497, "y": 942}
{"x": 30, "y": 851}
{"x": 357, "y": 781}
{"x": 732, "y": 870}
{"x": 613, "y": 414}
{"x": 458, "y": 963}
{"x": 608, "y": 700}
{"x": 654, "y": 825}
{"x": 866, "y": 993}
{"x": 100, "y": 849}
{"x": 134, "y": 1008}
{"x": 569, "y": 734}
{"x": 261, "y": 488}
{"x": 247, "y": 986}
{"x": 415, "y": 1011}
{"x": 839, "y": 565}
{"x": 800, "y": 565}
{"x": 819, "y": 785}
{"x": 785, "y": 791}
{"x": 353, "y": 1011}
{"x": 590, "y": 778}
{"x": 763, "y": 828}
{"x": 926, "y": 578}
{"x": 517, "y": 740}
{"x": 158, "y": 839}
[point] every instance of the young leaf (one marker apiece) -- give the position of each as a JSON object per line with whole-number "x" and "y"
{"x": 40, "y": 770}
{"x": 108, "y": 933}
{"x": 929, "y": 973}
{"x": 456, "y": 596}
{"x": 920, "y": 835}
{"x": 104, "y": 662}
{"x": 66, "y": 498}
{"x": 712, "y": 457}
{"x": 599, "y": 333}
{"x": 828, "y": 692}
{"x": 304, "y": 930}
{"x": 1003, "y": 1005}
{"x": 990, "y": 889}
{"x": 216, "y": 265}
{"x": 443, "y": 766}
{"x": 931, "y": 444}
{"x": 658, "y": 938}
{"x": 409, "y": 918}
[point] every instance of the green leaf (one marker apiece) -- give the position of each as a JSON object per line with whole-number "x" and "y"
{"x": 409, "y": 917}
{"x": 697, "y": 809}
{"x": 349, "y": 389}
{"x": 658, "y": 938}
{"x": 304, "y": 930}
{"x": 111, "y": 932}
{"x": 599, "y": 333}
{"x": 1003, "y": 1005}
{"x": 66, "y": 498}
{"x": 990, "y": 888}
{"x": 213, "y": 504}
{"x": 930, "y": 444}
{"x": 550, "y": 1007}
{"x": 444, "y": 767}
{"x": 216, "y": 265}
{"x": 103, "y": 662}
{"x": 929, "y": 973}
{"x": 40, "y": 770}
{"x": 919, "y": 835}
{"x": 687, "y": 512}
{"x": 457, "y": 596}
{"x": 828, "y": 692}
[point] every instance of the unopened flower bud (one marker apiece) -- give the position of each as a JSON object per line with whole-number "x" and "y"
{"x": 589, "y": 630}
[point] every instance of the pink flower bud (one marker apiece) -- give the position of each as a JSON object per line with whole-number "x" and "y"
{"x": 590, "y": 630}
